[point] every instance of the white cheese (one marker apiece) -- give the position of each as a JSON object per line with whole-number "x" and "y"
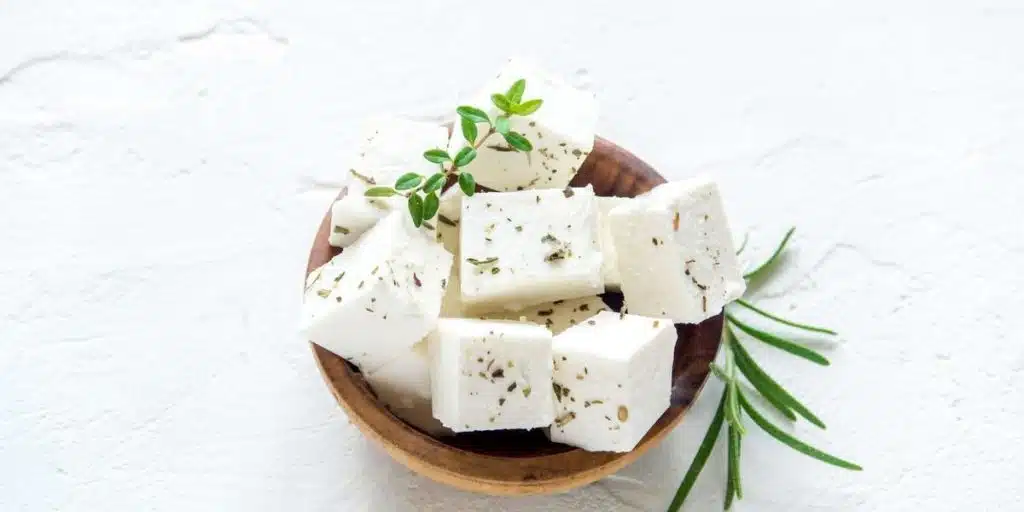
{"x": 404, "y": 386}
{"x": 561, "y": 131}
{"x": 380, "y": 296}
{"x": 451, "y": 203}
{"x": 675, "y": 252}
{"x": 613, "y": 380}
{"x": 490, "y": 374}
{"x": 610, "y": 266}
{"x": 388, "y": 148}
{"x": 529, "y": 247}
{"x": 559, "y": 315}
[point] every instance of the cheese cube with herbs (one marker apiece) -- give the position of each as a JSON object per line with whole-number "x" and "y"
{"x": 404, "y": 386}
{"x": 559, "y": 315}
{"x": 388, "y": 148}
{"x": 676, "y": 257}
{"x": 490, "y": 374}
{"x": 612, "y": 380}
{"x": 561, "y": 132}
{"x": 529, "y": 247}
{"x": 610, "y": 267}
{"x": 380, "y": 296}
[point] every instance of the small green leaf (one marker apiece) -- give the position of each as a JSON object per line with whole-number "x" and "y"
{"x": 515, "y": 93}
{"x": 473, "y": 114}
{"x": 527, "y": 107}
{"x": 408, "y": 181}
{"x": 701, "y": 458}
{"x": 517, "y": 141}
{"x": 436, "y": 156}
{"x": 793, "y": 442}
{"x": 771, "y": 390}
{"x": 501, "y": 125}
{"x": 767, "y": 265}
{"x": 380, "y": 192}
{"x": 469, "y": 131}
{"x": 780, "y": 343}
{"x": 465, "y": 156}
{"x": 783, "y": 321}
{"x": 467, "y": 183}
{"x": 416, "y": 209}
{"x": 501, "y": 102}
{"x": 434, "y": 183}
{"x": 430, "y": 206}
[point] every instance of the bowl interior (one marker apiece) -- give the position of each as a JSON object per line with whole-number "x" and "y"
{"x": 519, "y": 461}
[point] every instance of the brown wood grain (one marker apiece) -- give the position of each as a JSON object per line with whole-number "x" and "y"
{"x": 521, "y": 462}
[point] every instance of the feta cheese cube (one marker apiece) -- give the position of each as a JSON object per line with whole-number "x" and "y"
{"x": 376, "y": 299}
{"x": 404, "y": 386}
{"x": 561, "y": 131}
{"x": 529, "y": 247}
{"x": 451, "y": 203}
{"x": 675, "y": 252}
{"x": 610, "y": 265}
{"x": 559, "y": 315}
{"x": 490, "y": 374}
{"x": 612, "y": 380}
{"x": 388, "y": 148}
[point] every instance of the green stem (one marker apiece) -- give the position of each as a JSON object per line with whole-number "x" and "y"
{"x": 475, "y": 147}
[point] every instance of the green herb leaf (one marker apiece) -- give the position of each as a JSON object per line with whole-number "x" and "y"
{"x": 485, "y": 261}
{"x": 465, "y": 156}
{"x": 501, "y": 125}
{"x": 780, "y": 343}
{"x": 408, "y": 181}
{"x": 416, "y": 209}
{"x": 701, "y": 458}
{"x": 771, "y": 390}
{"x": 783, "y": 321}
{"x": 515, "y": 93}
{"x": 473, "y": 114}
{"x": 430, "y": 205}
{"x": 469, "y": 131}
{"x": 501, "y": 102}
{"x": 380, "y": 192}
{"x": 732, "y": 406}
{"x": 793, "y": 442}
{"x": 436, "y": 156}
{"x": 467, "y": 183}
{"x": 517, "y": 141}
{"x": 434, "y": 183}
{"x": 527, "y": 107}
{"x": 767, "y": 265}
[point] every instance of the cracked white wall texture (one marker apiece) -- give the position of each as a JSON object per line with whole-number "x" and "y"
{"x": 163, "y": 166}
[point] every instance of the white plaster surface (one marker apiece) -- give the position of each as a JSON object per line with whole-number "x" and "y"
{"x": 163, "y": 166}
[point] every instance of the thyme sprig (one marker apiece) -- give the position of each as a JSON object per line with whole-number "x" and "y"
{"x": 423, "y": 192}
{"x": 735, "y": 404}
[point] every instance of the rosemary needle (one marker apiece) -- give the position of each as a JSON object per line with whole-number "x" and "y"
{"x": 780, "y": 343}
{"x": 783, "y": 321}
{"x": 771, "y": 260}
{"x": 793, "y": 442}
{"x": 771, "y": 390}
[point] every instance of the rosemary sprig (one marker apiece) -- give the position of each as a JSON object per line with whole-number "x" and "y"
{"x": 423, "y": 192}
{"x": 734, "y": 402}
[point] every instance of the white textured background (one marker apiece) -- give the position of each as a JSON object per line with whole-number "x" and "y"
{"x": 163, "y": 168}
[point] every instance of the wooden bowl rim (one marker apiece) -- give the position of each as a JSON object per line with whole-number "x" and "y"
{"x": 478, "y": 472}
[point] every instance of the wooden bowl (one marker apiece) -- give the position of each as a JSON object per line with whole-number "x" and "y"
{"x": 522, "y": 462}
